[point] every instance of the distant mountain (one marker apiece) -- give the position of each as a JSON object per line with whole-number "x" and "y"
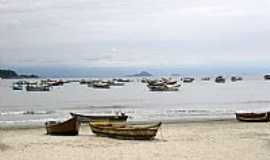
{"x": 12, "y": 74}
{"x": 141, "y": 74}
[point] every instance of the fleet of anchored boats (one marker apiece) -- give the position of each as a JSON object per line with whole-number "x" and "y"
{"x": 160, "y": 84}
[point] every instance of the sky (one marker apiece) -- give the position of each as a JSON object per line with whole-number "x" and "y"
{"x": 138, "y": 34}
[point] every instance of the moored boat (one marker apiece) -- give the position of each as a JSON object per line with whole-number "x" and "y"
{"x": 125, "y": 131}
{"x": 16, "y": 86}
{"x": 235, "y": 78}
{"x": 266, "y": 77}
{"x": 252, "y": 116}
{"x": 104, "y": 118}
{"x": 188, "y": 79}
{"x": 220, "y": 79}
{"x": 69, "y": 127}
{"x": 164, "y": 87}
{"x": 37, "y": 88}
{"x": 101, "y": 85}
{"x": 206, "y": 79}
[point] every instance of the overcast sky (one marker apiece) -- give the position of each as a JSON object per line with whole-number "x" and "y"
{"x": 130, "y": 33}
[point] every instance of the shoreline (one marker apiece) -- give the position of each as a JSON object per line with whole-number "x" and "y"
{"x": 203, "y": 120}
{"x": 210, "y": 140}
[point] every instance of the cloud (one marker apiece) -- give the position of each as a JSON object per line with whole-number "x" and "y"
{"x": 134, "y": 33}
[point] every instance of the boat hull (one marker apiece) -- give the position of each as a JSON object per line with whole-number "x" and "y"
{"x": 126, "y": 132}
{"x": 252, "y": 117}
{"x": 69, "y": 127}
{"x": 37, "y": 89}
{"x": 88, "y": 118}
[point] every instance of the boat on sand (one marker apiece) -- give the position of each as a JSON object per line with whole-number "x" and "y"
{"x": 252, "y": 116}
{"x": 69, "y": 127}
{"x": 107, "y": 118}
{"x": 125, "y": 131}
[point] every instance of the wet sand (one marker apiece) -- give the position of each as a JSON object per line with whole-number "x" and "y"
{"x": 212, "y": 140}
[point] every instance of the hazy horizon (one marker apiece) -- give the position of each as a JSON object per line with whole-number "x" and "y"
{"x": 58, "y": 71}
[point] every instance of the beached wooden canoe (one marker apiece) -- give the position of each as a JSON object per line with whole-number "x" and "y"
{"x": 69, "y": 127}
{"x": 108, "y": 118}
{"x": 252, "y": 117}
{"x": 125, "y": 131}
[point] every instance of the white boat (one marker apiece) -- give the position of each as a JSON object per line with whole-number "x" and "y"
{"x": 37, "y": 88}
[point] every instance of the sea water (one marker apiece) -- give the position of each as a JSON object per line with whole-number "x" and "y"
{"x": 199, "y": 100}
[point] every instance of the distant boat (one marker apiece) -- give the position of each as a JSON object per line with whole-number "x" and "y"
{"x": 188, "y": 79}
{"x": 267, "y": 77}
{"x": 169, "y": 81}
{"x": 69, "y": 127}
{"x": 116, "y": 83}
{"x": 164, "y": 87}
{"x": 235, "y": 78}
{"x": 252, "y": 116}
{"x": 107, "y": 118}
{"x": 37, "y": 88}
{"x": 206, "y": 79}
{"x": 220, "y": 79}
{"x": 16, "y": 86}
{"x": 122, "y": 80}
{"x": 125, "y": 131}
{"x": 101, "y": 85}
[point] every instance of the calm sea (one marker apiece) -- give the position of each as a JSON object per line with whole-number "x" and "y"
{"x": 200, "y": 100}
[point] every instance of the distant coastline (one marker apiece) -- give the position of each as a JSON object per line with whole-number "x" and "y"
{"x": 141, "y": 74}
{"x": 10, "y": 74}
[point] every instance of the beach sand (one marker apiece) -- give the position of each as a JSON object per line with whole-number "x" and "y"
{"x": 212, "y": 140}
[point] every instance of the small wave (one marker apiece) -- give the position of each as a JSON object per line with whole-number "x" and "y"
{"x": 11, "y": 113}
{"x": 197, "y": 112}
{"x": 108, "y": 107}
{"x": 30, "y": 112}
{"x": 39, "y": 112}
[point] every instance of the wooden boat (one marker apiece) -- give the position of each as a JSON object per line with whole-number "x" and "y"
{"x": 108, "y": 118}
{"x": 266, "y": 77}
{"x": 188, "y": 79}
{"x": 206, "y": 79}
{"x": 16, "y": 86}
{"x": 234, "y": 78}
{"x": 252, "y": 117}
{"x": 69, "y": 127}
{"x": 125, "y": 131}
{"x": 101, "y": 85}
{"x": 220, "y": 79}
{"x": 37, "y": 88}
{"x": 164, "y": 87}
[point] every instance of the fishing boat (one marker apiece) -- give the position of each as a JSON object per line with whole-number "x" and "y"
{"x": 188, "y": 79}
{"x": 220, "y": 79}
{"x": 16, "y": 86}
{"x": 267, "y": 77}
{"x": 206, "y": 79}
{"x": 164, "y": 87}
{"x": 69, "y": 127}
{"x": 125, "y": 131}
{"x": 235, "y": 78}
{"x": 101, "y": 85}
{"x": 37, "y": 88}
{"x": 252, "y": 116}
{"x": 105, "y": 118}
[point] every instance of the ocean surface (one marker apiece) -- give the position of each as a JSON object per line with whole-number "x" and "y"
{"x": 200, "y": 100}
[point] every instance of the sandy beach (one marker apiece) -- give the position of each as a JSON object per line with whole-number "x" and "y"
{"x": 214, "y": 140}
